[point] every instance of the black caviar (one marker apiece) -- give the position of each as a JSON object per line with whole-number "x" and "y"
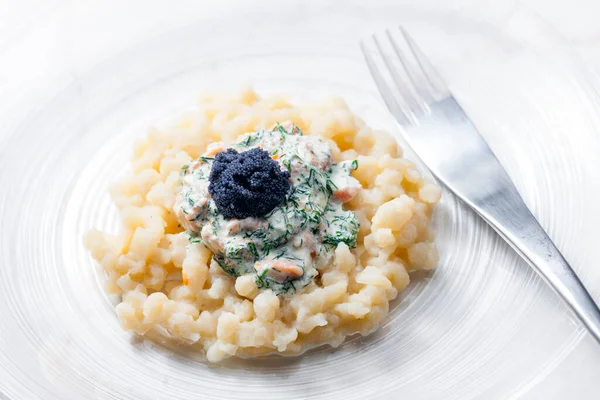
{"x": 247, "y": 184}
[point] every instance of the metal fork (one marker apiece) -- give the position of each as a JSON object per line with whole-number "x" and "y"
{"x": 439, "y": 131}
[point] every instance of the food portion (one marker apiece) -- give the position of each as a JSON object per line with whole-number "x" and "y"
{"x": 254, "y": 226}
{"x": 270, "y": 206}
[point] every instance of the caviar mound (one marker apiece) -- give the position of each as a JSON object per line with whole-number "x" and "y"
{"x": 247, "y": 184}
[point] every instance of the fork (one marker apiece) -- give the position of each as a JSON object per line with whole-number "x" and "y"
{"x": 442, "y": 135}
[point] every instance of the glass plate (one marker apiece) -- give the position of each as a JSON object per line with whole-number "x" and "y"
{"x": 86, "y": 80}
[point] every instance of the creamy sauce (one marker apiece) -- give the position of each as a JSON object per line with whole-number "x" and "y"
{"x": 285, "y": 249}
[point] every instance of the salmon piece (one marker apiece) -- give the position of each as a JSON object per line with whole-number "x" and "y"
{"x": 233, "y": 226}
{"x": 308, "y": 242}
{"x": 212, "y": 152}
{"x": 315, "y": 162}
{"x": 194, "y": 165}
{"x": 345, "y": 194}
{"x": 288, "y": 268}
{"x": 288, "y": 126}
{"x": 214, "y": 148}
{"x": 279, "y": 270}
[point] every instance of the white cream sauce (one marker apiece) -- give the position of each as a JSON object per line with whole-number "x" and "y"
{"x": 285, "y": 249}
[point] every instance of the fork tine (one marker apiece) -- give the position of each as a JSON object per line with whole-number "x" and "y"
{"x": 434, "y": 79}
{"x": 412, "y": 102}
{"x": 384, "y": 89}
{"x": 416, "y": 78}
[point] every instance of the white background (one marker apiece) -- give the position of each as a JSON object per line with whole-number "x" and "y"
{"x": 573, "y": 23}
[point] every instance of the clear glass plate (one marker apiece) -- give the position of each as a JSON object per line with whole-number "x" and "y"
{"x": 80, "y": 86}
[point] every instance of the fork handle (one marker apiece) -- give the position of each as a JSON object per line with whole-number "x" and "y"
{"x": 525, "y": 235}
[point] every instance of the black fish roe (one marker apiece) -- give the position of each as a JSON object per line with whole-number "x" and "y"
{"x": 247, "y": 184}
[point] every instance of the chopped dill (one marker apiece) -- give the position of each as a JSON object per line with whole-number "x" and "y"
{"x": 306, "y": 225}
